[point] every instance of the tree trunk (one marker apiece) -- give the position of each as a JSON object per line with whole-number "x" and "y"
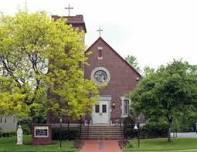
{"x": 169, "y": 129}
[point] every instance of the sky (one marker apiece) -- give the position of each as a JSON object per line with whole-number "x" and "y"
{"x": 154, "y": 31}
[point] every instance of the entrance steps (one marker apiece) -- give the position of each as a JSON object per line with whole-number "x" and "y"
{"x": 102, "y": 132}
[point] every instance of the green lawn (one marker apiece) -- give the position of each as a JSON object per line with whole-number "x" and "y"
{"x": 9, "y": 145}
{"x": 157, "y": 145}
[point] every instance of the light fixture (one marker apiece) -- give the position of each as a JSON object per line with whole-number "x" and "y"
{"x": 137, "y": 79}
{"x": 60, "y": 120}
{"x": 135, "y": 127}
{"x": 113, "y": 105}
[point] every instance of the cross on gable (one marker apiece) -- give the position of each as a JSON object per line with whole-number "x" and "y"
{"x": 99, "y": 30}
{"x": 69, "y": 8}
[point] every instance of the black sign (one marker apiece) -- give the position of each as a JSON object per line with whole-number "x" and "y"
{"x": 41, "y": 132}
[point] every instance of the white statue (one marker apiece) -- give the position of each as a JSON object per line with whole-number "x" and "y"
{"x": 19, "y": 135}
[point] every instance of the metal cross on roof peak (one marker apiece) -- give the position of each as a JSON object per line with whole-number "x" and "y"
{"x": 99, "y": 30}
{"x": 69, "y": 8}
{"x": 26, "y": 7}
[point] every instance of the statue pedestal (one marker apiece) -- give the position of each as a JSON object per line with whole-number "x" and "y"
{"x": 41, "y": 134}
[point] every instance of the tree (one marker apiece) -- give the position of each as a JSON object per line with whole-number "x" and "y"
{"x": 164, "y": 94}
{"x": 40, "y": 67}
{"x": 132, "y": 60}
{"x": 147, "y": 70}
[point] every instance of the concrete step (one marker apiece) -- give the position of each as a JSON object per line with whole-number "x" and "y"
{"x": 97, "y": 134}
{"x": 101, "y": 129}
{"x": 93, "y": 135}
{"x": 105, "y": 137}
{"x": 101, "y": 132}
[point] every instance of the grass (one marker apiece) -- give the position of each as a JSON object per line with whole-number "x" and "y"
{"x": 161, "y": 145}
{"x": 9, "y": 145}
{"x": 147, "y": 145}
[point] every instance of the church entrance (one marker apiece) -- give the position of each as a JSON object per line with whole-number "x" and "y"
{"x": 101, "y": 113}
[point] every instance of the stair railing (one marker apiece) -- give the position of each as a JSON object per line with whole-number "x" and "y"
{"x": 80, "y": 126}
{"x": 88, "y": 128}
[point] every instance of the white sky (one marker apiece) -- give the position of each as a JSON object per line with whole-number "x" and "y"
{"x": 155, "y": 31}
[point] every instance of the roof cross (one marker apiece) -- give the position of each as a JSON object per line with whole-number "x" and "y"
{"x": 99, "y": 30}
{"x": 69, "y": 8}
{"x": 26, "y": 6}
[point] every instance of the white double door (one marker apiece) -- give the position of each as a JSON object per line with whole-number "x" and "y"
{"x": 101, "y": 112}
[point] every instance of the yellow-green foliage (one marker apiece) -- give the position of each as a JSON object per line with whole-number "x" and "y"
{"x": 41, "y": 59}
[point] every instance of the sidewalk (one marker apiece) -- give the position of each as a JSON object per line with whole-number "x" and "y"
{"x": 100, "y": 146}
{"x": 184, "y": 135}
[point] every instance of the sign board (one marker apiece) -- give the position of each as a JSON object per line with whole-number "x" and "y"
{"x": 41, "y": 131}
{"x": 41, "y": 134}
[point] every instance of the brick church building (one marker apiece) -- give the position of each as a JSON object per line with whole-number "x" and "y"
{"x": 108, "y": 69}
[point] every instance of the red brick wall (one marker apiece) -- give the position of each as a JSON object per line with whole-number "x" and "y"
{"x": 123, "y": 77}
{"x": 76, "y": 21}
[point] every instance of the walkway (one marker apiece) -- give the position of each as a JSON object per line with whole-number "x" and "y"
{"x": 184, "y": 135}
{"x": 100, "y": 146}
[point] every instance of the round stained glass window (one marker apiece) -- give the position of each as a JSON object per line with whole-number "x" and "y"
{"x": 100, "y": 75}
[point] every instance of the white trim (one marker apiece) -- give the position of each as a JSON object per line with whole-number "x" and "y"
{"x": 123, "y": 98}
{"x": 100, "y": 68}
{"x": 106, "y": 98}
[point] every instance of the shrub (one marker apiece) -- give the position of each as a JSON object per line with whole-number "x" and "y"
{"x": 150, "y": 130}
{"x": 129, "y": 123}
{"x": 154, "y": 130}
{"x": 7, "y": 134}
{"x": 26, "y": 125}
{"x": 69, "y": 134}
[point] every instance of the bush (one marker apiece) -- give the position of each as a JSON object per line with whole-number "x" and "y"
{"x": 7, "y": 134}
{"x": 154, "y": 130}
{"x": 150, "y": 130}
{"x": 26, "y": 129}
{"x": 26, "y": 125}
{"x": 66, "y": 134}
{"x": 129, "y": 123}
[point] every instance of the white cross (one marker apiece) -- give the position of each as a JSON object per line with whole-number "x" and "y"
{"x": 99, "y": 30}
{"x": 26, "y": 6}
{"x": 69, "y": 8}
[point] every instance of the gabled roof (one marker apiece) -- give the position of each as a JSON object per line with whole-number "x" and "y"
{"x": 100, "y": 38}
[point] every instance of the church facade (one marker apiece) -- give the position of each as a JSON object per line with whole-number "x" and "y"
{"x": 116, "y": 79}
{"x": 114, "y": 76}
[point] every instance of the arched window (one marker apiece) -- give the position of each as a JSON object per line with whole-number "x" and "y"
{"x": 100, "y": 53}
